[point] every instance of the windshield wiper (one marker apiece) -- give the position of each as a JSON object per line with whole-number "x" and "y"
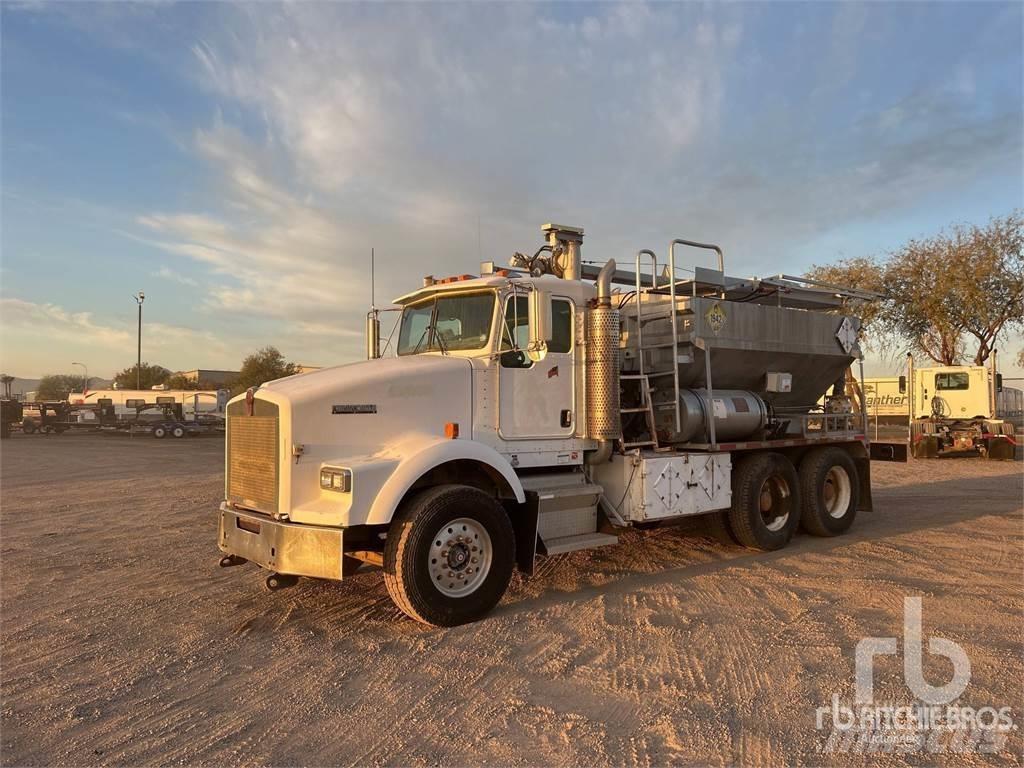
{"x": 431, "y": 326}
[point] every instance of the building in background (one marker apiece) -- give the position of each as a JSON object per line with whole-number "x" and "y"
{"x": 211, "y": 377}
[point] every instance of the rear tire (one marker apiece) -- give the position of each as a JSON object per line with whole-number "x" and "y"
{"x": 765, "y": 501}
{"x": 829, "y": 490}
{"x": 449, "y": 555}
{"x": 159, "y": 433}
{"x": 178, "y": 432}
{"x": 717, "y": 526}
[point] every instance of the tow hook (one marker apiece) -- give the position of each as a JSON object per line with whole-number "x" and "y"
{"x": 276, "y": 581}
{"x": 229, "y": 560}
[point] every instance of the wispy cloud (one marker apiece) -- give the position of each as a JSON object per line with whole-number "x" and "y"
{"x": 166, "y": 273}
{"x": 440, "y": 133}
{"x": 60, "y": 334}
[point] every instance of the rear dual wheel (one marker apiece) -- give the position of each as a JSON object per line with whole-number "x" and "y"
{"x": 765, "y": 501}
{"x": 829, "y": 488}
{"x": 449, "y": 555}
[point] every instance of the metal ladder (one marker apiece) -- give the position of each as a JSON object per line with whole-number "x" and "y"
{"x": 646, "y": 407}
{"x": 645, "y": 375}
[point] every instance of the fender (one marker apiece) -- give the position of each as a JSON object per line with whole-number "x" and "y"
{"x": 432, "y": 455}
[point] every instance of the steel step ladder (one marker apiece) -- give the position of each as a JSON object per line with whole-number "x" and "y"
{"x": 672, "y": 313}
{"x": 566, "y": 512}
{"x": 646, "y": 407}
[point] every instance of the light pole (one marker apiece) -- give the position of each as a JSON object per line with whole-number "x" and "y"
{"x": 85, "y": 389}
{"x": 139, "y": 298}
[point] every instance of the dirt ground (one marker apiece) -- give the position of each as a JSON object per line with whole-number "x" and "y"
{"x": 124, "y": 643}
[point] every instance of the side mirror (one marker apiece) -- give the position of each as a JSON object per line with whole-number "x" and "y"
{"x": 999, "y": 382}
{"x": 903, "y": 385}
{"x": 540, "y": 324}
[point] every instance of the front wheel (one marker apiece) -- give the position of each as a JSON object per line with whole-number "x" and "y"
{"x": 159, "y": 432}
{"x": 449, "y": 555}
{"x": 178, "y": 432}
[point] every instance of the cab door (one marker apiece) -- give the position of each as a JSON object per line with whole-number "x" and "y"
{"x": 536, "y": 399}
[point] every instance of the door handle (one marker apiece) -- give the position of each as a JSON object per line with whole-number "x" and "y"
{"x": 566, "y": 418}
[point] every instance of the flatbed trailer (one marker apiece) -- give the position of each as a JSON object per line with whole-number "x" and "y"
{"x": 57, "y": 417}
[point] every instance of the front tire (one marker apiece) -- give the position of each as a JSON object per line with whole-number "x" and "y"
{"x": 765, "y": 501}
{"x": 159, "y": 433}
{"x": 449, "y": 555}
{"x": 829, "y": 490}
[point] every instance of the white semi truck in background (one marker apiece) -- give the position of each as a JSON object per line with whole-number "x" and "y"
{"x": 528, "y": 411}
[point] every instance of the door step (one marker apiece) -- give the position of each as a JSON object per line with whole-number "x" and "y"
{"x": 566, "y": 511}
{"x": 581, "y": 541}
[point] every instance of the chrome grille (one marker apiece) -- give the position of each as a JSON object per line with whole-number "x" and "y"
{"x": 252, "y": 465}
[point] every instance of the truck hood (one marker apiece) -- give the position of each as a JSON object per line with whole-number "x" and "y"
{"x": 369, "y": 406}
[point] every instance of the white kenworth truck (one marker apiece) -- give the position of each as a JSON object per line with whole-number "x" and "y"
{"x": 530, "y": 411}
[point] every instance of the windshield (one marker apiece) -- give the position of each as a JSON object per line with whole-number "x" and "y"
{"x": 447, "y": 323}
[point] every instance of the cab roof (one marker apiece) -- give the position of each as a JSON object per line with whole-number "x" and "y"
{"x": 464, "y": 283}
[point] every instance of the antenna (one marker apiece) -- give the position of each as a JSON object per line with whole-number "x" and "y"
{"x": 373, "y": 300}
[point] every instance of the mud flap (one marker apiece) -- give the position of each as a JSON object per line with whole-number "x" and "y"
{"x": 888, "y": 452}
{"x": 1000, "y": 448}
{"x": 926, "y": 447}
{"x": 866, "y": 503}
{"x": 524, "y": 519}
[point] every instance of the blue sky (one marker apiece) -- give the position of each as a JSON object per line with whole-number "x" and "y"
{"x": 238, "y": 162}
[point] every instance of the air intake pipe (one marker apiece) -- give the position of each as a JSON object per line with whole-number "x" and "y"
{"x": 603, "y": 419}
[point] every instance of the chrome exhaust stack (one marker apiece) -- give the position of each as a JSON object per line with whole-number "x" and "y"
{"x": 604, "y": 422}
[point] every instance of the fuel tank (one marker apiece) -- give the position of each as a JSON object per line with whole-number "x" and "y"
{"x": 738, "y": 414}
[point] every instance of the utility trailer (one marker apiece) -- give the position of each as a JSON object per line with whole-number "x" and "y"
{"x": 162, "y": 418}
{"x": 530, "y": 412}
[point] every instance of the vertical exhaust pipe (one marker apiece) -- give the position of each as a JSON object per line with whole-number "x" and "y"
{"x": 602, "y": 370}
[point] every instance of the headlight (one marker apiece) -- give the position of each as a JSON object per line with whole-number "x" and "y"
{"x": 332, "y": 479}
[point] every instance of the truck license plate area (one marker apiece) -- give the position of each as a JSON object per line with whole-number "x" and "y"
{"x": 247, "y": 525}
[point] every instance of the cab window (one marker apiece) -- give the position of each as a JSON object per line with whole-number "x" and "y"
{"x": 517, "y": 328}
{"x": 561, "y": 326}
{"x": 957, "y": 380}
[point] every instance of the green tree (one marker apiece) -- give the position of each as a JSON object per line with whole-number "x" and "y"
{"x": 955, "y": 293}
{"x": 990, "y": 264}
{"x": 260, "y": 367}
{"x": 57, "y": 386}
{"x": 864, "y": 273}
{"x": 151, "y": 376}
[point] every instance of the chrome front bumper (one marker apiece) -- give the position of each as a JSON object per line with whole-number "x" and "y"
{"x": 300, "y": 550}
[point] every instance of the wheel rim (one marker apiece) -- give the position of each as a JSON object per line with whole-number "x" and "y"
{"x": 460, "y": 557}
{"x": 836, "y": 492}
{"x": 772, "y": 503}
